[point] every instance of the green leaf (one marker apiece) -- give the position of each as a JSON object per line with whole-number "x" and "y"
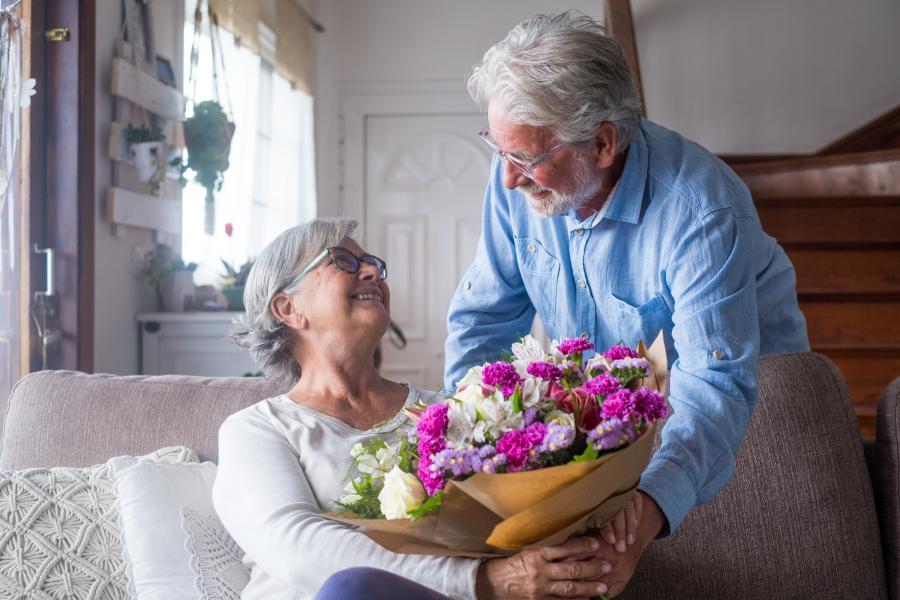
{"x": 517, "y": 400}
{"x": 590, "y": 453}
{"x": 432, "y": 505}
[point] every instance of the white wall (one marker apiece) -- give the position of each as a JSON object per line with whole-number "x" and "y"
{"x": 738, "y": 76}
{"x": 768, "y": 76}
{"x": 119, "y": 294}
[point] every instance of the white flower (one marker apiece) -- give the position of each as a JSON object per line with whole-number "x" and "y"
{"x": 528, "y": 350}
{"x": 460, "y": 423}
{"x": 556, "y": 357}
{"x": 561, "y": 417}
{"x": 532, "y": 391}
{"x": 402, "y": 493}
{"x": 351, "y": 496}
{"x": 376, "y": 464}
{"x": 472, "y": 378}
{"x": 28, "y": 90}
{"x": 356, "y": 450}
{"x": 599, "y": 362}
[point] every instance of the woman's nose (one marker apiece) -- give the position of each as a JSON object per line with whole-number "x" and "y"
{"x": 369, "y": 272}
{"x": 512, "y": 176}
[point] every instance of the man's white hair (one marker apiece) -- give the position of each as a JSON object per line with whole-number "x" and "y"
{"x": 563, "y": 71}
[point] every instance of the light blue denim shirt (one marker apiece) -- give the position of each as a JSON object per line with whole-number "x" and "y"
{"x": 678, "y": 248}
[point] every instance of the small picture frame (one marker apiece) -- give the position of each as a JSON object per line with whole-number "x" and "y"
{"x": 164, "y": 70}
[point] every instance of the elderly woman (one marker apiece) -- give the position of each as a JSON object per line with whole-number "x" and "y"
{"x": 317, "y": 305}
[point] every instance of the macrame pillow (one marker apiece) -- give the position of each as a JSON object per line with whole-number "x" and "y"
{"x": 59, "y": 531}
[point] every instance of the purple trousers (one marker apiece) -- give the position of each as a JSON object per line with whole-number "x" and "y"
{"x": 364, "y": 583}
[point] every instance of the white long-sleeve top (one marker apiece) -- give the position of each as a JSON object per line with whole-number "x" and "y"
{"x": 280, "y": 466}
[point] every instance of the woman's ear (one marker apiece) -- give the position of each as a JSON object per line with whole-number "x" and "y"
{"x": 606, "y": 140}
{"x": 286, "y": 310}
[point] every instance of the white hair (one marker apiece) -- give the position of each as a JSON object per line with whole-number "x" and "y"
{"x": 268, "y": 339}
{"x": 563, "y": 71}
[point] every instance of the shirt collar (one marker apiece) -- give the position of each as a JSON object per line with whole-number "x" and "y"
{"x": 624, "y": 204}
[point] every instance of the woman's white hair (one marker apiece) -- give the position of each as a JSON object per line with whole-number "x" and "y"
{"x": 563, "y": 71}
{"x": 268, "y": 339}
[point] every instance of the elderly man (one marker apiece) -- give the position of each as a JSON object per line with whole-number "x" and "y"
{"x": 614, "y": 227}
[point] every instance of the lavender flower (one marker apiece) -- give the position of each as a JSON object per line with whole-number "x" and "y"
{"x": 630, "y": 363}
{"x": 558, "y": 437}
{"x": 611, "y": 434}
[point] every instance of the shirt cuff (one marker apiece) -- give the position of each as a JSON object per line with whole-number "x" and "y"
{"x": 460, "y": 578}
{"x": 671, "y": 489}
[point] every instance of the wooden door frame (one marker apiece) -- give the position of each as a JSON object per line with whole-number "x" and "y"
{"x": 62, "y": 214}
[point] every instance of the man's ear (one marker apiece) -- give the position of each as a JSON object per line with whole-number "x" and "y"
{"x": 606, "y": 140}
{"x": 286, "y": 310}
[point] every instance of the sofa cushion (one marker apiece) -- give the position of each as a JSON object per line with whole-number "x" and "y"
{"x": 59, "y": 532}
{"x": 798, "y": 518}
{"x": 886, "y": 469}
{"x": 66, "y": 418}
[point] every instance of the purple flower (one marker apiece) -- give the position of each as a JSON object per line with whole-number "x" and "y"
{"x": 617, "y": 405}
{"x": 573, "y": 345}
{"x": 519, "y": 445}
{"x": 650, "y": 404}
{"x": 530, "y": 415}
{"x": 611, "y": 434}
{"x": 619, "y": 352}
{"x": 432, "y": 429}
{"x": 631, "y": 363}
{"x": 501, "y": 375}
{"x": 544, "y": 371}
{"x": 602, "y": 385}
{"x": 558, "y": 437}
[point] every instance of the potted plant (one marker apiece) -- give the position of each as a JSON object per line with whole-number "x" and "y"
{"x": 148, "y": 151}
{"x": 207, "y": 136}
{"x": 171, "y": 278}
{"x": 233, "y": 283}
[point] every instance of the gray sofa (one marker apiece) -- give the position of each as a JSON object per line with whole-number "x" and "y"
{"x": 812, "y": 511}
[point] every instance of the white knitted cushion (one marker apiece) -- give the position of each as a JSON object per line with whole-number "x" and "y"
{"x": 59, "y": 532}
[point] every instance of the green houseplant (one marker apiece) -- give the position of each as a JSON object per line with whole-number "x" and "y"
{"x": 171, "y": 278}
{"x": 207, "y": 136}
{"x": 148, "y": 150}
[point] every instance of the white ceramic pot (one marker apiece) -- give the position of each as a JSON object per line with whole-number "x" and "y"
{"x": 149, "y": 160}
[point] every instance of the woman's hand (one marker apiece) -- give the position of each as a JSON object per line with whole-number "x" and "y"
{"x": 623, "y": 528}
{"x": 544, "y": 571}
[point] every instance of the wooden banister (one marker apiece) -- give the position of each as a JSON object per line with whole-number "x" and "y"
{"x": 620, "y": 24}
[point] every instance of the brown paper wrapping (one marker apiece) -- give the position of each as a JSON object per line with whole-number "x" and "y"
{"x": 496, "y": 515}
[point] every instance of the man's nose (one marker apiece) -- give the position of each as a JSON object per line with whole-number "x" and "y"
{"x": 512, "y": 176}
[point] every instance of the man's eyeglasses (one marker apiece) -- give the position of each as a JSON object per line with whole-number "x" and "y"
{"x": 523, "y": 164}
{"x": 345, "y": 261}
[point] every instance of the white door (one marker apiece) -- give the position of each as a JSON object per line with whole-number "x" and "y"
{"x": 425, "y": 176}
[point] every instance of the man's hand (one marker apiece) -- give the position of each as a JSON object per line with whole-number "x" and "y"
{"x": 622, "y": 529}
{"x": 623, "y": 563}
{"x": 545, "y": 571}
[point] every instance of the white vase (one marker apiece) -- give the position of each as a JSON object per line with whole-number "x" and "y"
{"x": 149, "y": 160}
{"x": 177, "y": 291}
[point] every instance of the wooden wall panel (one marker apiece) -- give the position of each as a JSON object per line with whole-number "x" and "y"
{"x": 839, "y": 271}
{"x": 825, "y": 221}
{"x": 852, "y": 325}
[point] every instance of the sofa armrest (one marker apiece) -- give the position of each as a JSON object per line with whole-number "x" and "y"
{"x": 884, "y": 464}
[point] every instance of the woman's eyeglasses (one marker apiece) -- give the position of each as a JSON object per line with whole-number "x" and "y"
{"x": 344, "y": 260}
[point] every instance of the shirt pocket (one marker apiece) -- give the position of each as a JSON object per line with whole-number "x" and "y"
{"x": 540, "y": 274}
{"x": 642, "y": 322}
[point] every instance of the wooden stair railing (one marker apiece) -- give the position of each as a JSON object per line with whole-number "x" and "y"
{"x": 838, "y": 219}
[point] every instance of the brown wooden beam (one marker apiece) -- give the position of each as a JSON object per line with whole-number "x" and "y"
{"x": 881, "y": 133}
{"x": 619, "y": 23}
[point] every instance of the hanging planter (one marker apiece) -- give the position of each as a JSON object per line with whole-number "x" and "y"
{"x": 208, "y": 131}
{"x": 207, "y": 136}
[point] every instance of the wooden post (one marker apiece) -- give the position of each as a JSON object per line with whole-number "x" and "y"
{"x": 617, "y": 14}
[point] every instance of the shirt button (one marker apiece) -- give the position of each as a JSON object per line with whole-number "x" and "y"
{"x": 532, "y": 248}
{"x": 579, "y": 232}
{"x": 718, "y": 354}
{"x": 584, "y": 334}
{"x": 581, "y": 283}
{"x": 468, "y": 285}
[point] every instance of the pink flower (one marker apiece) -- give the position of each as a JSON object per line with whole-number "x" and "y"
{"x": 501, "y": 375}
{"x": 544, "y": 371}
{"x": 432, "y": 430}
{"x": 573, "y": 345}
{"x": 618, "y": 405}
{"x": 619, "y": 352}
{"x": 603, "y": 385}
{"x": 229, "y": 229}
{"x": 517, "y": 445}
{"x": 650, "y": 404}
{"x": 583, "y": 405}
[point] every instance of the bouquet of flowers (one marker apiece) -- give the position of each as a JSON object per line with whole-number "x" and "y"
{"x": 528, "y": 450}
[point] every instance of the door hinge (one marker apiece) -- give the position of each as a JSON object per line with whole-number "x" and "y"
{"x": 59, "y": 34}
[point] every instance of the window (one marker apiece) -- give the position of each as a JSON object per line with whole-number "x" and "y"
{"x": 270, "y": 182}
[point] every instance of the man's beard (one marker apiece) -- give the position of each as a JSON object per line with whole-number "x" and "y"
{"x": 586, "y": 187}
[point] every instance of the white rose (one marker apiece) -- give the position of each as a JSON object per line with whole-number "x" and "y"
{"x": 402, "y": 493}
{"x": 561, "y": 417}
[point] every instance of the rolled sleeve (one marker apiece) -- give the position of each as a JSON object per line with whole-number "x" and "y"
{"x": 713, "y": 381}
